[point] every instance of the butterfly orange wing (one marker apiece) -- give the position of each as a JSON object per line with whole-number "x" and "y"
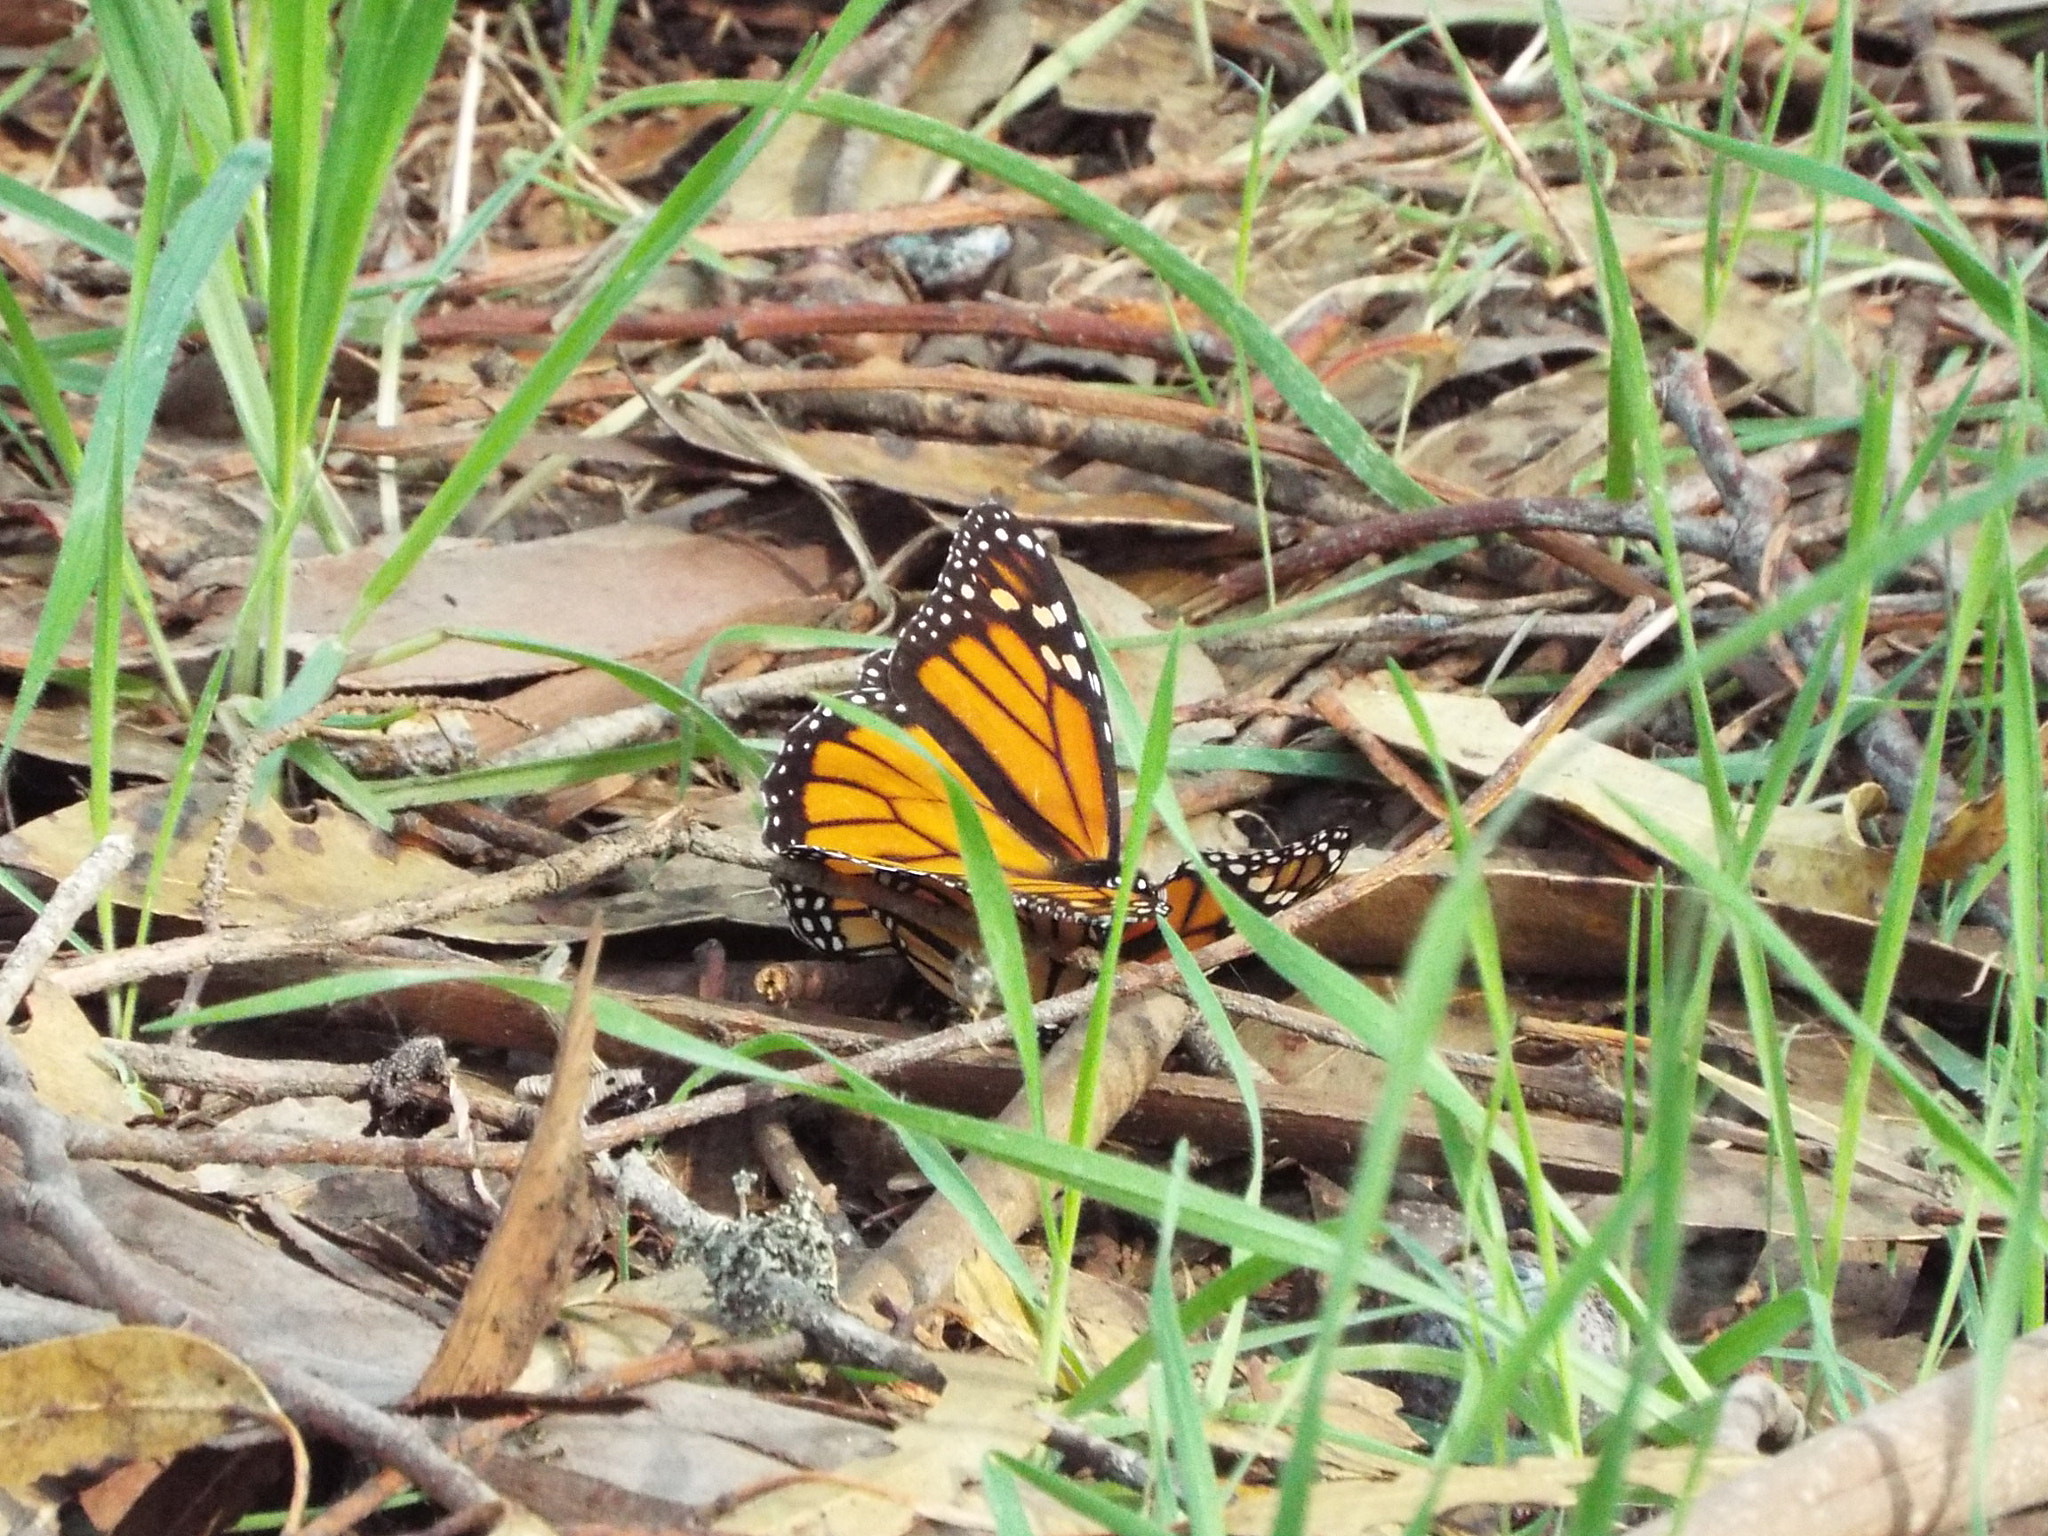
{"x": 992, "y": 678}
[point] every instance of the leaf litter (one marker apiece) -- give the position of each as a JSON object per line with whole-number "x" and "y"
{"x": 1434, "y": 265}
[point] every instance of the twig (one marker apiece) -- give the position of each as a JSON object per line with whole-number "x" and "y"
{"x": 1055, "y": 325}
{"x": 60, "y": 914}
{"x": 1914, "y": 1466}
{"x": 253, "y": 1081}
{"x": 1590, "y": 516}
{"x": 509, "y": 269}
{"x": 177, "y": 957}
{"x": 1755, "y": 499}
{"x": 49, "y": 1198}
{"x": 919, "y": 1261}
{"x": 1404, "y": 630}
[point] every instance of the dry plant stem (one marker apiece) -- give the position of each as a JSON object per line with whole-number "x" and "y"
{"x": 1952, "y": 143}
{"x": 1084, "y": 401}
{"x": 253, "y": 1082}
{"x": 1401, "y": 631}
{"x": 1108, "y": 433}
{"x": 242, "y": 782}
{"x": 186, "y": 1149}
{"x": 478, "y": 1517}
{"x": 71, "y": 900}
{"x": 510, "y": 269}
{"x": 917, "y": 1264}
{"x": 176, "y": 957}
{"x": 785, "y": 1163}
{"x": 50, "y": 1199}
{"x": 1908, "y": 1467}
{"x": 773, "y": 1353}
{"x": 1390, "y": 764}
{"x": 736, "y": 323}
{"x": 645, "y": 722}
{"x": 1588, "y": 516}
{"x": 353, "y": 1508}
{"x": 1755, "y": 500}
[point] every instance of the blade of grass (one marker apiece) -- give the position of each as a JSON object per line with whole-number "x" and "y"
{"x": 112, "y": 454}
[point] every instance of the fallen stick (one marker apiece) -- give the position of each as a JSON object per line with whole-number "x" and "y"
{"x": 49, "y": 1198}
{"x": 1909, "y": 1467}
{"x": 918, "y": 1262}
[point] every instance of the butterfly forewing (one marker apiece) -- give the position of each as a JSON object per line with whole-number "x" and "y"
{"x": 996, "y": 667}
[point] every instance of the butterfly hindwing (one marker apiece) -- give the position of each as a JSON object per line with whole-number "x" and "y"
{"x": 1271, "y": 879}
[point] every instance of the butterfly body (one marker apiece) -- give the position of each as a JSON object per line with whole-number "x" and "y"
{"x": 992, "y": 684}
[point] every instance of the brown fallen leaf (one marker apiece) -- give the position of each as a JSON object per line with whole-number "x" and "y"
{"x": 615, "y": 590}
{"x": 526, "y": 1267}
{"x": 281, "y": 870}
{"x": 1578, "y": 925}
{"x": 126, "y": 1394}
{"x": 1973, "y": 834}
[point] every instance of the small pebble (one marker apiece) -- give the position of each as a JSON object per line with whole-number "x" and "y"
{"x": 950, "y": 263}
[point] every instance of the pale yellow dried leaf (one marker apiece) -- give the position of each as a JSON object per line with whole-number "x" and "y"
{"x": 62, "y": 1050}
{"x": 1356, "y": 1507}
{"x": 102, "y": 1399}
{"x": 934, "y": 1475}
{"x": 1807, "y": 859}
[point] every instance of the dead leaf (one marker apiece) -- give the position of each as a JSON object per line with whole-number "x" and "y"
{"x": 126, "y": 1394}
{"x": 1724, "y": 1186}
{"x": 62, "y": 732}
{"x": 1972, "y": 835}
{"x": 1808, "y": 361}
{"x": 1807, "y": 860}
{"x": 281, "y": 871}
{"x": 934, "y": 1473}
{"x": 1578, "y": 926}
{"x": 958, "y": 69}
{"x": 62, "y": 1051}
{"x": 1343, "y": 1508}
{"x": 615, "y": 590}
{"x": 1530, "y": 441}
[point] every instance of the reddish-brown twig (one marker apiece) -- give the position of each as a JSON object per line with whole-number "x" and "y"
{"x": 1053, "y": 324}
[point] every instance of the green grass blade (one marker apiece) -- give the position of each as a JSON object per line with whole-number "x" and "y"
{"x": 194, "y": 245}
{"x": 736, "y": 754}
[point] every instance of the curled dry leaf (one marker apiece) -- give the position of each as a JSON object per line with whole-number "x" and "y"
{"x": 101, "y": 1399}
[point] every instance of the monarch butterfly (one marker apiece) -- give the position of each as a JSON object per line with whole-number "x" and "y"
{"x": 993, "y": 679}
